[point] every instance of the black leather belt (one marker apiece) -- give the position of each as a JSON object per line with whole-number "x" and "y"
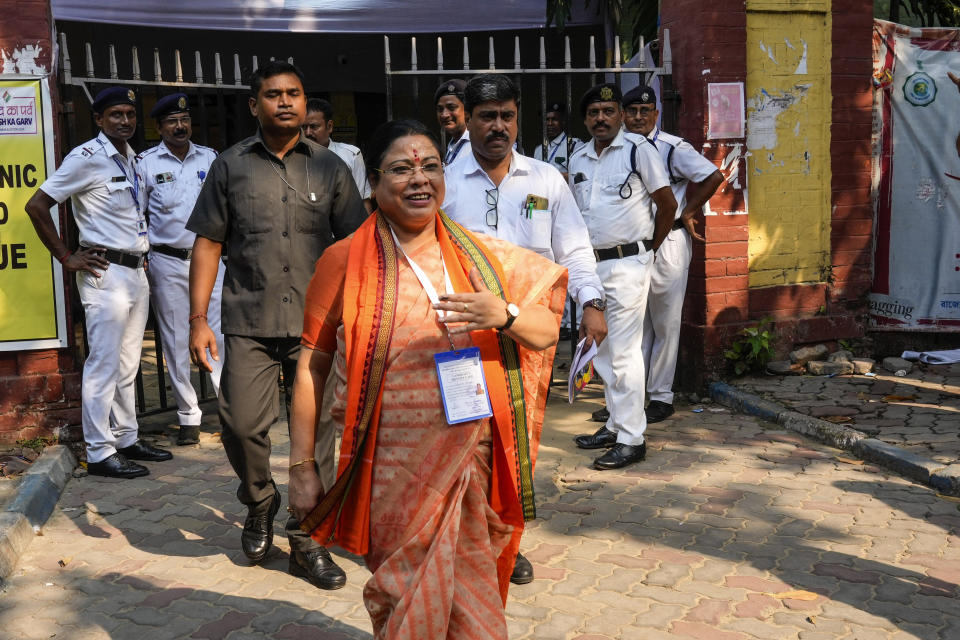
{"x": 122, "y": 258}
{"x": 678, "y": 224}
{"x": 167, "y": 250}
{"x": 622, "y": 250}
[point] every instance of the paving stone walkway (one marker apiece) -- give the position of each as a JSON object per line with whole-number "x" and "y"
{"x": 731, "y": 530}
{"x": 919, "y": 412}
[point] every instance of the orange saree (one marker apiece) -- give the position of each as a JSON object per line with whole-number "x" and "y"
{"x": 436, "y": 510}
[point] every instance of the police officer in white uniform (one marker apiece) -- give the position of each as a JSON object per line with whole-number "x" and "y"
{"x": 560, "y": 146}
{"x": 318, "y": 126}
{"x": 448, "y": 99}
{"x": 173, "y": 172}
{"x": 493, "y": 189}
{"x": 616, "y": 179}
{"x": 694, "y": 179}
{"x": 100, "y": 176}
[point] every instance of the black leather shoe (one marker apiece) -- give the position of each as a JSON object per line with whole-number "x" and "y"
{"x": 620, "y": 456}
{"x": 602, "y": 438}
{"x": 522, "y": 571}
{"x": 318, "y": 568}
{"x": 140, "y": 450}
{"x": 117, "y": 466}
{"x": 257, "y": 533}
{"x": 657, "y": 411}
{"x": 600, "y": 415}
{"x": 189, "y": 434}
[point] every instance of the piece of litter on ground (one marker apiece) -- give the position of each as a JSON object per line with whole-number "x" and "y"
{"x": 48, "y": 584}
{"x": 717, "y": 409}
{"x": 68, "y": 509}
{"x": 893, "y": 397}
{"x": 838, "y": 419}
{"x": 870, "y": 374}
{"x": 697, "y": 410}
{"x": 831, "y": 375}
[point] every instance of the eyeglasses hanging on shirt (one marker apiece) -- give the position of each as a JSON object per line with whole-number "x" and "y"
{"x": 493, "y": 196}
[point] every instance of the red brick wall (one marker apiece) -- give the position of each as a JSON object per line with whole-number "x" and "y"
{"x": 39, "y": 390}
{"x": 719, "y": 301}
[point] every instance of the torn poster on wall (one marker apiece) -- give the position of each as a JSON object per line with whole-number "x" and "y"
{"x": 916, "y": 151}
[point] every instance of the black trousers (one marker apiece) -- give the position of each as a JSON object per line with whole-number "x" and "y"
{"x": 249, "y": 407}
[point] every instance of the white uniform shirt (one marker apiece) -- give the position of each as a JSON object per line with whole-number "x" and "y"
{"x": 557, "y": 233}
{"x": 354, "y": 159}
{"x": 457, "y": 148}
{"x": 107, "y": 194}
{"x": 596, "y": 180}
{"x": 172, "y": 189}
{"x": 683, "y": 166}
{"x": 559, "y": 151}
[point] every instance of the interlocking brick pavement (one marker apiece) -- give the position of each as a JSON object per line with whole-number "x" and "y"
{"x": 730, "y": 530}
{"x": 919, "y": 412}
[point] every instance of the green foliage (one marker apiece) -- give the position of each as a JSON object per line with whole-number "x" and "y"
{"x": 37, "y": 444}
{"x": 844, "y": 344}
{"x": 919, "y": 13}
{"x": 628, "y": 19}
{"x": 754, "y": 351}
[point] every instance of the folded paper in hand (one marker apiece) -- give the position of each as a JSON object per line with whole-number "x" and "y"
{"x": 581, "y": 369}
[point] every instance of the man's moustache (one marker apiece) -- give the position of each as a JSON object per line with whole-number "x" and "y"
{"x": 497, "y": 136}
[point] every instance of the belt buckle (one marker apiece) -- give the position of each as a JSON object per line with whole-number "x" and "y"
{"x": 620, "y": 251}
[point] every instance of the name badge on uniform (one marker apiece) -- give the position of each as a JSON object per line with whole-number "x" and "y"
{"x": 463, "y": 386}
{"x": 141, "y": 227}
{"x": 164, "y": 177}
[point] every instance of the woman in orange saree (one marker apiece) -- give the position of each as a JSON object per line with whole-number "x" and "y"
{"x": 435, "y": 509}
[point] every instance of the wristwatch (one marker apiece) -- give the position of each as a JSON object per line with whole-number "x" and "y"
{"x": 597, "y": 303}
{"x": 512, "y": 312}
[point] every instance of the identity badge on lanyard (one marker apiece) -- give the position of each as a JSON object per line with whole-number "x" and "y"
{"x": 463, "y": 387}
{"x": 135, "y": 194}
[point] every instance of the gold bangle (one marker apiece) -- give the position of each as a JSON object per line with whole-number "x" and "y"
{"x": 304, "y": 461}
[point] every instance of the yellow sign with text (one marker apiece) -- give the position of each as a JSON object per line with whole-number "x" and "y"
{"x": 31, "y": 289}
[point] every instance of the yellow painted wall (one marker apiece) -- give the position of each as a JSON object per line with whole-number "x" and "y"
{"x": 788, "y": 140}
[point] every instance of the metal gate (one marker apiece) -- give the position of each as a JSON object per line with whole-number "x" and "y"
{"x": 221, "y": 119}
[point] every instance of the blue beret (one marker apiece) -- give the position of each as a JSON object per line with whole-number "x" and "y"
{"x": 453, "y": 88}
{"x": 114, "y": 96}
{"x": 174, "y": 103}
{"x": 641, "y": 95}
{"x": 606, "y": 92}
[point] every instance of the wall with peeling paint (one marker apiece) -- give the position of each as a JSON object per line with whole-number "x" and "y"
{"x": 788, "y": 140}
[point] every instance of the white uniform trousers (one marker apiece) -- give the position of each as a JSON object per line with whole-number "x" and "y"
{"x": 170, "y": 292}
{"x": 618, "y": 360}
{"x": 116, "y": 306}
{"x": 661, "y": 329}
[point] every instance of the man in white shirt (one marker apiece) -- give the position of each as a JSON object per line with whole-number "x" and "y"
{"x": 448, "y": 99}
{"x": 173, "y": 173}
{"x": 616, "y": 179}
{"x": 694, "y": 179}
{"x": 560, "y": 146}
{"x": 318, "y": 126}
{"x": 493, "y": 189}
{"x": 100, "y": 177}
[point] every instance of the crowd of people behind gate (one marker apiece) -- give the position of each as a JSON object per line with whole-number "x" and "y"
{"x": 423, "y": 331}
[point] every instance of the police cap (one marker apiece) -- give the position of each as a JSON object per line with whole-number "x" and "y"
{"x": 113, "y": 96}
{"x": 557, "y": 107}
{"x": 174, "y": 103}
{"x": 640, "y": 95}
{"x": 606, "y": 92}
{"x": 453, "y": 88}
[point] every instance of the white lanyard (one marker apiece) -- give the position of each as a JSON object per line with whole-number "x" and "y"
{"x": 557, "y": 148}
{"x": 427, "y": 285}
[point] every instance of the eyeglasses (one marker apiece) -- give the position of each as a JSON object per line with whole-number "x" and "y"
{"x": 493, "y": 196}
{"x": 177, "y": 121}
{"x": 633, "y": 112}
{"x": 431, "y": 171}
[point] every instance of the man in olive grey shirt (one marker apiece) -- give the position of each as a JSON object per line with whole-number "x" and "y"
{"x": 272, "y": 203}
